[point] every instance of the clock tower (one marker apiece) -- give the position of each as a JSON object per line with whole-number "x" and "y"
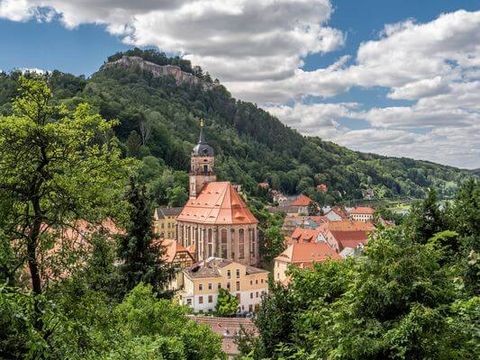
{"x": 201, "y": 165}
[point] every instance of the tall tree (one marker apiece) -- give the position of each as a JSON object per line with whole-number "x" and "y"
{"x": 56, "y": 166}
{"x": 142, "y": 262}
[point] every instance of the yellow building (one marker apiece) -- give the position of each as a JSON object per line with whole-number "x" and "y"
{"x": 165, "y": 222}
{"x": 199, "y": 284}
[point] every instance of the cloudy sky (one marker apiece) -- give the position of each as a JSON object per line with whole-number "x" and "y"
{"x": 397, "y": 77}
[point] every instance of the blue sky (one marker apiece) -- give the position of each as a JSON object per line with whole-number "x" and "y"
{"x": 377, "y": 76}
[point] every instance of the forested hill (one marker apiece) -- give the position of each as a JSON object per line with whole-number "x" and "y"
{"x": 159, "y": 111}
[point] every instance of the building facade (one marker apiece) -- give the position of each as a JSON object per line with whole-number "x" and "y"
{"x": 216, "y": 222}
{"x": 165, "y": 222}
{"x": 199, "y": 284}
{"x": 362, "y": 213}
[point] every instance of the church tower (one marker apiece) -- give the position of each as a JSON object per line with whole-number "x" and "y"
{"x": 202, "y": 165}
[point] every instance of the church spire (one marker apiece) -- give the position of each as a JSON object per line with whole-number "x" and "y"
{"x": 201, "y": 139}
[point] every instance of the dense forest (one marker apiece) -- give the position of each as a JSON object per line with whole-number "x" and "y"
{"x": 158, "y": 122}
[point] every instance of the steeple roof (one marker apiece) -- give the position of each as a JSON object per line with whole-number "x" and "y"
{"x": 202, "y": 148}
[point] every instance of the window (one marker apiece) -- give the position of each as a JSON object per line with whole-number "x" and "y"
{"x": 200, "y": 287}
{"x": 209, "y": 286}
{"x": 228, "y": 285}
{"x": 189, "y": 302}
{"x": 238, "y": 273}
{"x": 210, "y": 298}
{"x": 241, "y": 244}
{"x": 256, "y": 294}
{"x": 210, "y": 243}
{"x": 219, "y": 285}
{"x": 200, "y": 299}
{"x": 229, "y": 274}
{"x": 261, "y": 281}
{"x": 256, "y": 281}
{"x": 223, "y": 237}
{"x": 238, "y": 285}
{"x": 205, "y": 169}
{"x": 251, "y": 282}
{"x": 251, "y": 295}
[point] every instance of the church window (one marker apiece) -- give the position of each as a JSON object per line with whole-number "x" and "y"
{"x": 223, "y": 236}
{"x": 241, "y": 244}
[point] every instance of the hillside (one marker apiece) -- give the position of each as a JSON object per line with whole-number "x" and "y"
{"x": 158, "y": 101}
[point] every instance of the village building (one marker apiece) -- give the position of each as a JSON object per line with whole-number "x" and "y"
{"x": 362, "y": 213}
{"x": 165, "y": 222}
{"x": 301, "y": 204}
{"x": 174, "y": 254}
{"x": 346, "y": 236}
{"x": 199, "y": 284}
{"x": 336, "y": 214}
{"x": 216, "y": 222}
{"x": 301, "y": 255}
{"x": 322, "y": 188}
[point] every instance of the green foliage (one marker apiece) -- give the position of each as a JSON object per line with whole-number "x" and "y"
{"x": 227, "y": 304}
{"x": 158, "y": 118}
{"x": 412, "y": 295}
{"x": 141, "y": 261}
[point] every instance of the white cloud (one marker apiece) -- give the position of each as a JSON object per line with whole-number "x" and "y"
{"x": 256, "y": 47}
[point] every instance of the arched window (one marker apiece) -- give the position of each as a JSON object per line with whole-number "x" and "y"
{"x": 210, "y": 243}
{"x": 223, "y": 238}
{"x": 241, "y": 244}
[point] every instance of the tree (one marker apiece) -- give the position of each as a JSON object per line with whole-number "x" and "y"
{"x": 141, "y": 261}
{"x": 426, "y": 219}
{"x": 58, "y": 166}
{"x": 227, "y": 304}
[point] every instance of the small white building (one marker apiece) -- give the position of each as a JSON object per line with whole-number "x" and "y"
{"x": 362, "y": 213}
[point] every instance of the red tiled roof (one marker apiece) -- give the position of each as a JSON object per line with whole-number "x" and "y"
{"x": 347, "y": 225}
{"x": 217, "y": 203}
{"x": 306, "y": 253}
{"x": 302, "y": 200}
{"x": 301, "y": 235}
{"x": 350, "y": 239}
{"x": 362, "y": 210}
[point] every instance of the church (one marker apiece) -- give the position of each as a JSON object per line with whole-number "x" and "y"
{"x": 215, "y": 221}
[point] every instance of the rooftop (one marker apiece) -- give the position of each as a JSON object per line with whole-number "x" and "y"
{"x": 217, "y": 203}
{"x": 302, "y": 200}
{"x": 306, "y": 253}
{"x": 362, "y": 210}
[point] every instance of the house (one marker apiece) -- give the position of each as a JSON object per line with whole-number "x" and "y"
{"x": 264, "y": 185}
{"x": 301, "y": 255}
{"x": 165, "y": 222}
{"x": 322, "y": 188}
{"x": 341, "y": 235}
{"x": 279, "y": 198}
{"x": 291, "y": 222}
{"x": 174, "y": 253}
{"x": 336, "y": 214}
{"x": 301, "y": 204}
{"x": 216, "y": 222}
{"x": 228, "y": 328}
{"x": 199, "y": 284}
{"x": 362, "y": 213}
{"x": 302, "y": 235}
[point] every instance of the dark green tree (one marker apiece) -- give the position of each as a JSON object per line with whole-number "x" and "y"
{"x": 141, "y": 262}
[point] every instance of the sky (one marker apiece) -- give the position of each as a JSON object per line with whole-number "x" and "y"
{"x": 396, "y": 77}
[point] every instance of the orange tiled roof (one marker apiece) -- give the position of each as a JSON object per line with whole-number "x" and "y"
{"x": 306, "y": 253}
{"x": 172, "y": 248}
{"x": 301, "y": 235}
{"x": 350, "y": 239}
{"x": 347, "y": 225}
{"x": 217, "y": 203}
{"x": 362, "y": 210}
{"x": 302, "y": 200}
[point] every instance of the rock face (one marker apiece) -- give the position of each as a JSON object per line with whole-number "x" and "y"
{"x": 180, "y": 76}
